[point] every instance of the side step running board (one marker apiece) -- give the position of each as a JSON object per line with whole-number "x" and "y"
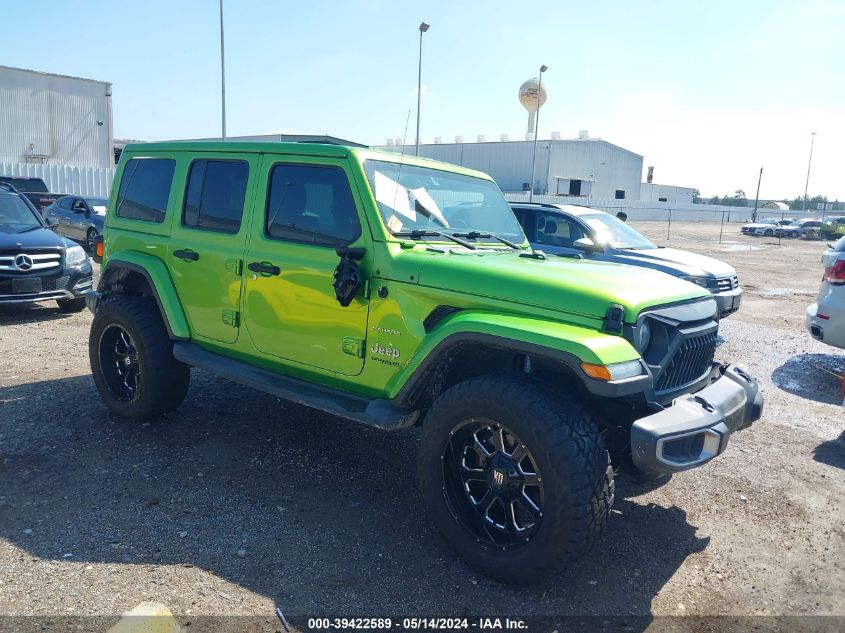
{"x": 379, "y": 413}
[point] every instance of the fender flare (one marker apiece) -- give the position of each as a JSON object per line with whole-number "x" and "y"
{"x": 568, "y": 344}
{"x": 161, "y": 285}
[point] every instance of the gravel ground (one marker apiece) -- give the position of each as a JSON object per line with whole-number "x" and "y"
{"x": 239, "y": 502}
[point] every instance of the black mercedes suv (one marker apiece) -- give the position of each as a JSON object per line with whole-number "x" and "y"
{"x": 35, "y": 263}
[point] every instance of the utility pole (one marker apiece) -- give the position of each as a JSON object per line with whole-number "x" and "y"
{"x": 809, "y": 164}
{"x": 423, "y": 28}
{"x": 757, "y": 197}
{"x": 222, "y": 75}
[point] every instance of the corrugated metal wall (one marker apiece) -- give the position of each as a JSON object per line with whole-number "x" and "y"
{"x": 55, "y": 117}
{"x": 82, "y": 181}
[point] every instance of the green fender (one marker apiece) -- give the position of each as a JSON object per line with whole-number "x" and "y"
{"x": 161, "y": 283}
{"x": 571, "y": 343}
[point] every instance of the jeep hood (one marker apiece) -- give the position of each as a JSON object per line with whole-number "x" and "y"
{"x": 576, "y": 286}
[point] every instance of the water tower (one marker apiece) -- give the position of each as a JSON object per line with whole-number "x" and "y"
{"x": 532, "y": 96}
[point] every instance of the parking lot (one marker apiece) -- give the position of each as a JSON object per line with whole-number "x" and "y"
{"x": 239, "y": 502}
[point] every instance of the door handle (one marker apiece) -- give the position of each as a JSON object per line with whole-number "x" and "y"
{"x": 264, "y": 268}
{"x": 187, "y": 255}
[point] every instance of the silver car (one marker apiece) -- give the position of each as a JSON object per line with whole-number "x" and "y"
{"x": 826, "y": 318}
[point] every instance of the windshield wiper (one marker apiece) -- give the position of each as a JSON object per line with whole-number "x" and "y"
{"x": 418, "y": 234}
{"x": 32, "y": 228}
{"x": 474, "y": 235}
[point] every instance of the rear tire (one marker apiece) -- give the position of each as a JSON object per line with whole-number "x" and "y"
{"x": 572, "y": 480}
{"x": 132, "y": 359}
{"x": 69, "y": 306}
{"x": 90, "y": 239}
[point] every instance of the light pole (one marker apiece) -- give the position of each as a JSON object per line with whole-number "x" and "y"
{"x": 809, "y": 163}
{"x": 423, "y": 28}
{"x": 222, "y": 75}
{"x": 543, "y": 69}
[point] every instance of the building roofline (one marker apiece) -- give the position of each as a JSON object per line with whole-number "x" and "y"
{"x": 539, "y": 140}
{"x": 57, "y": 75}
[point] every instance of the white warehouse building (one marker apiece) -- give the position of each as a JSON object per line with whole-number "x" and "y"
{"x": 52, "y": 119}
{"x": 585, "y": 167}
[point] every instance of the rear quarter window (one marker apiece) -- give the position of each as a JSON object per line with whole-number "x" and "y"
{"x": 145, "y": 189}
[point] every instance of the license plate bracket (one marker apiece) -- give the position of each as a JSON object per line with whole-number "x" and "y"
{"x": 26, "y": 286}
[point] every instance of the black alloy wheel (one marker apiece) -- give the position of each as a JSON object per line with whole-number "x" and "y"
{"x": 492, "y": 483}
{"x": 91, "y": 240}
{"x": 120, "y": 363}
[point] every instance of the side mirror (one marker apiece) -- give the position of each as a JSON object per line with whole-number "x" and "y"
{"x": 348, "y": 279}
{"x": 585, "y": 244}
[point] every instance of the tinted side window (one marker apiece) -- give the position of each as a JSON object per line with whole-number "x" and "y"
{"x": 215, "y": 196}
{"x": 64, "y": 203}
{"x": 555, "y": 230}
{"x": 311, "y": 204}
{"x": 145, "y": 188}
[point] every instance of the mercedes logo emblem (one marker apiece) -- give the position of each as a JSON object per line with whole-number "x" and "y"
{"x": 23, "y": 262}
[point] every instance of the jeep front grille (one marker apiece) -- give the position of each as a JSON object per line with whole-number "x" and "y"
{"x": 690, "y": 362}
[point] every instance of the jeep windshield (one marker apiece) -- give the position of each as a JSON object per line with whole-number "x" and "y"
{"x": 614, "y": 232}
{"x": 16, "y": 216}
{"x": 426, "y": 202}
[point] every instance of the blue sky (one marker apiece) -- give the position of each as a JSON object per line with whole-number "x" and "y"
{"x": 707, "y": 92}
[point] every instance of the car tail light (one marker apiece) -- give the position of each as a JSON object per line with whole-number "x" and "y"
{"x": 835, "y": 275}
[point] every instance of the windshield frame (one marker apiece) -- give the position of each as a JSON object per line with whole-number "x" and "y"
{"x": 423, "y": 204}
{"x": 39, "y": 221}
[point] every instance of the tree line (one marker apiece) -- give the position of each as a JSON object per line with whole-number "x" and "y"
{"x": 739, "y": 199}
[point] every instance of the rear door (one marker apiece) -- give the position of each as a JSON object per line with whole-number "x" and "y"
{"x": 206, "y": 245}
{"x": 305, "y": 208}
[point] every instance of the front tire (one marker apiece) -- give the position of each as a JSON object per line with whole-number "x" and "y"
{"x": 769, "y": 233}
{"x": 516, "y": 477}
{"x": 132, "y": 359}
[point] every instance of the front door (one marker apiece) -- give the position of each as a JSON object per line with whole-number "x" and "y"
{"x": 206, "y": 246}
{"x": 78, "y": 220}
{"x": 304, "y": 210}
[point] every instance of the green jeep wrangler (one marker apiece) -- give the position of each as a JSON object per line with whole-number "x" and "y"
{"x": 401, "y": 292}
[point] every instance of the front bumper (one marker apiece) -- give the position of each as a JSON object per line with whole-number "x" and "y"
{"x": 70, "y": 283}
{"x": 696, "y": 427}
{"x": 728, "y": 302}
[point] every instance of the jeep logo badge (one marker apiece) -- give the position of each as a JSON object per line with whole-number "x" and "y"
{"x": 381, "y": 350}
{"x": 23, "y": 262}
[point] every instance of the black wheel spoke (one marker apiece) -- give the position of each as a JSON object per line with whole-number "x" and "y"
{"x": 498, "y": 439}
{"x": 519, "y": 453}
{"x": 480, "y": 449}
{"x": 530, "y": 479}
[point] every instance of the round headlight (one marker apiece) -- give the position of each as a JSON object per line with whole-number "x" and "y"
{"x": 644, "y": 337}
